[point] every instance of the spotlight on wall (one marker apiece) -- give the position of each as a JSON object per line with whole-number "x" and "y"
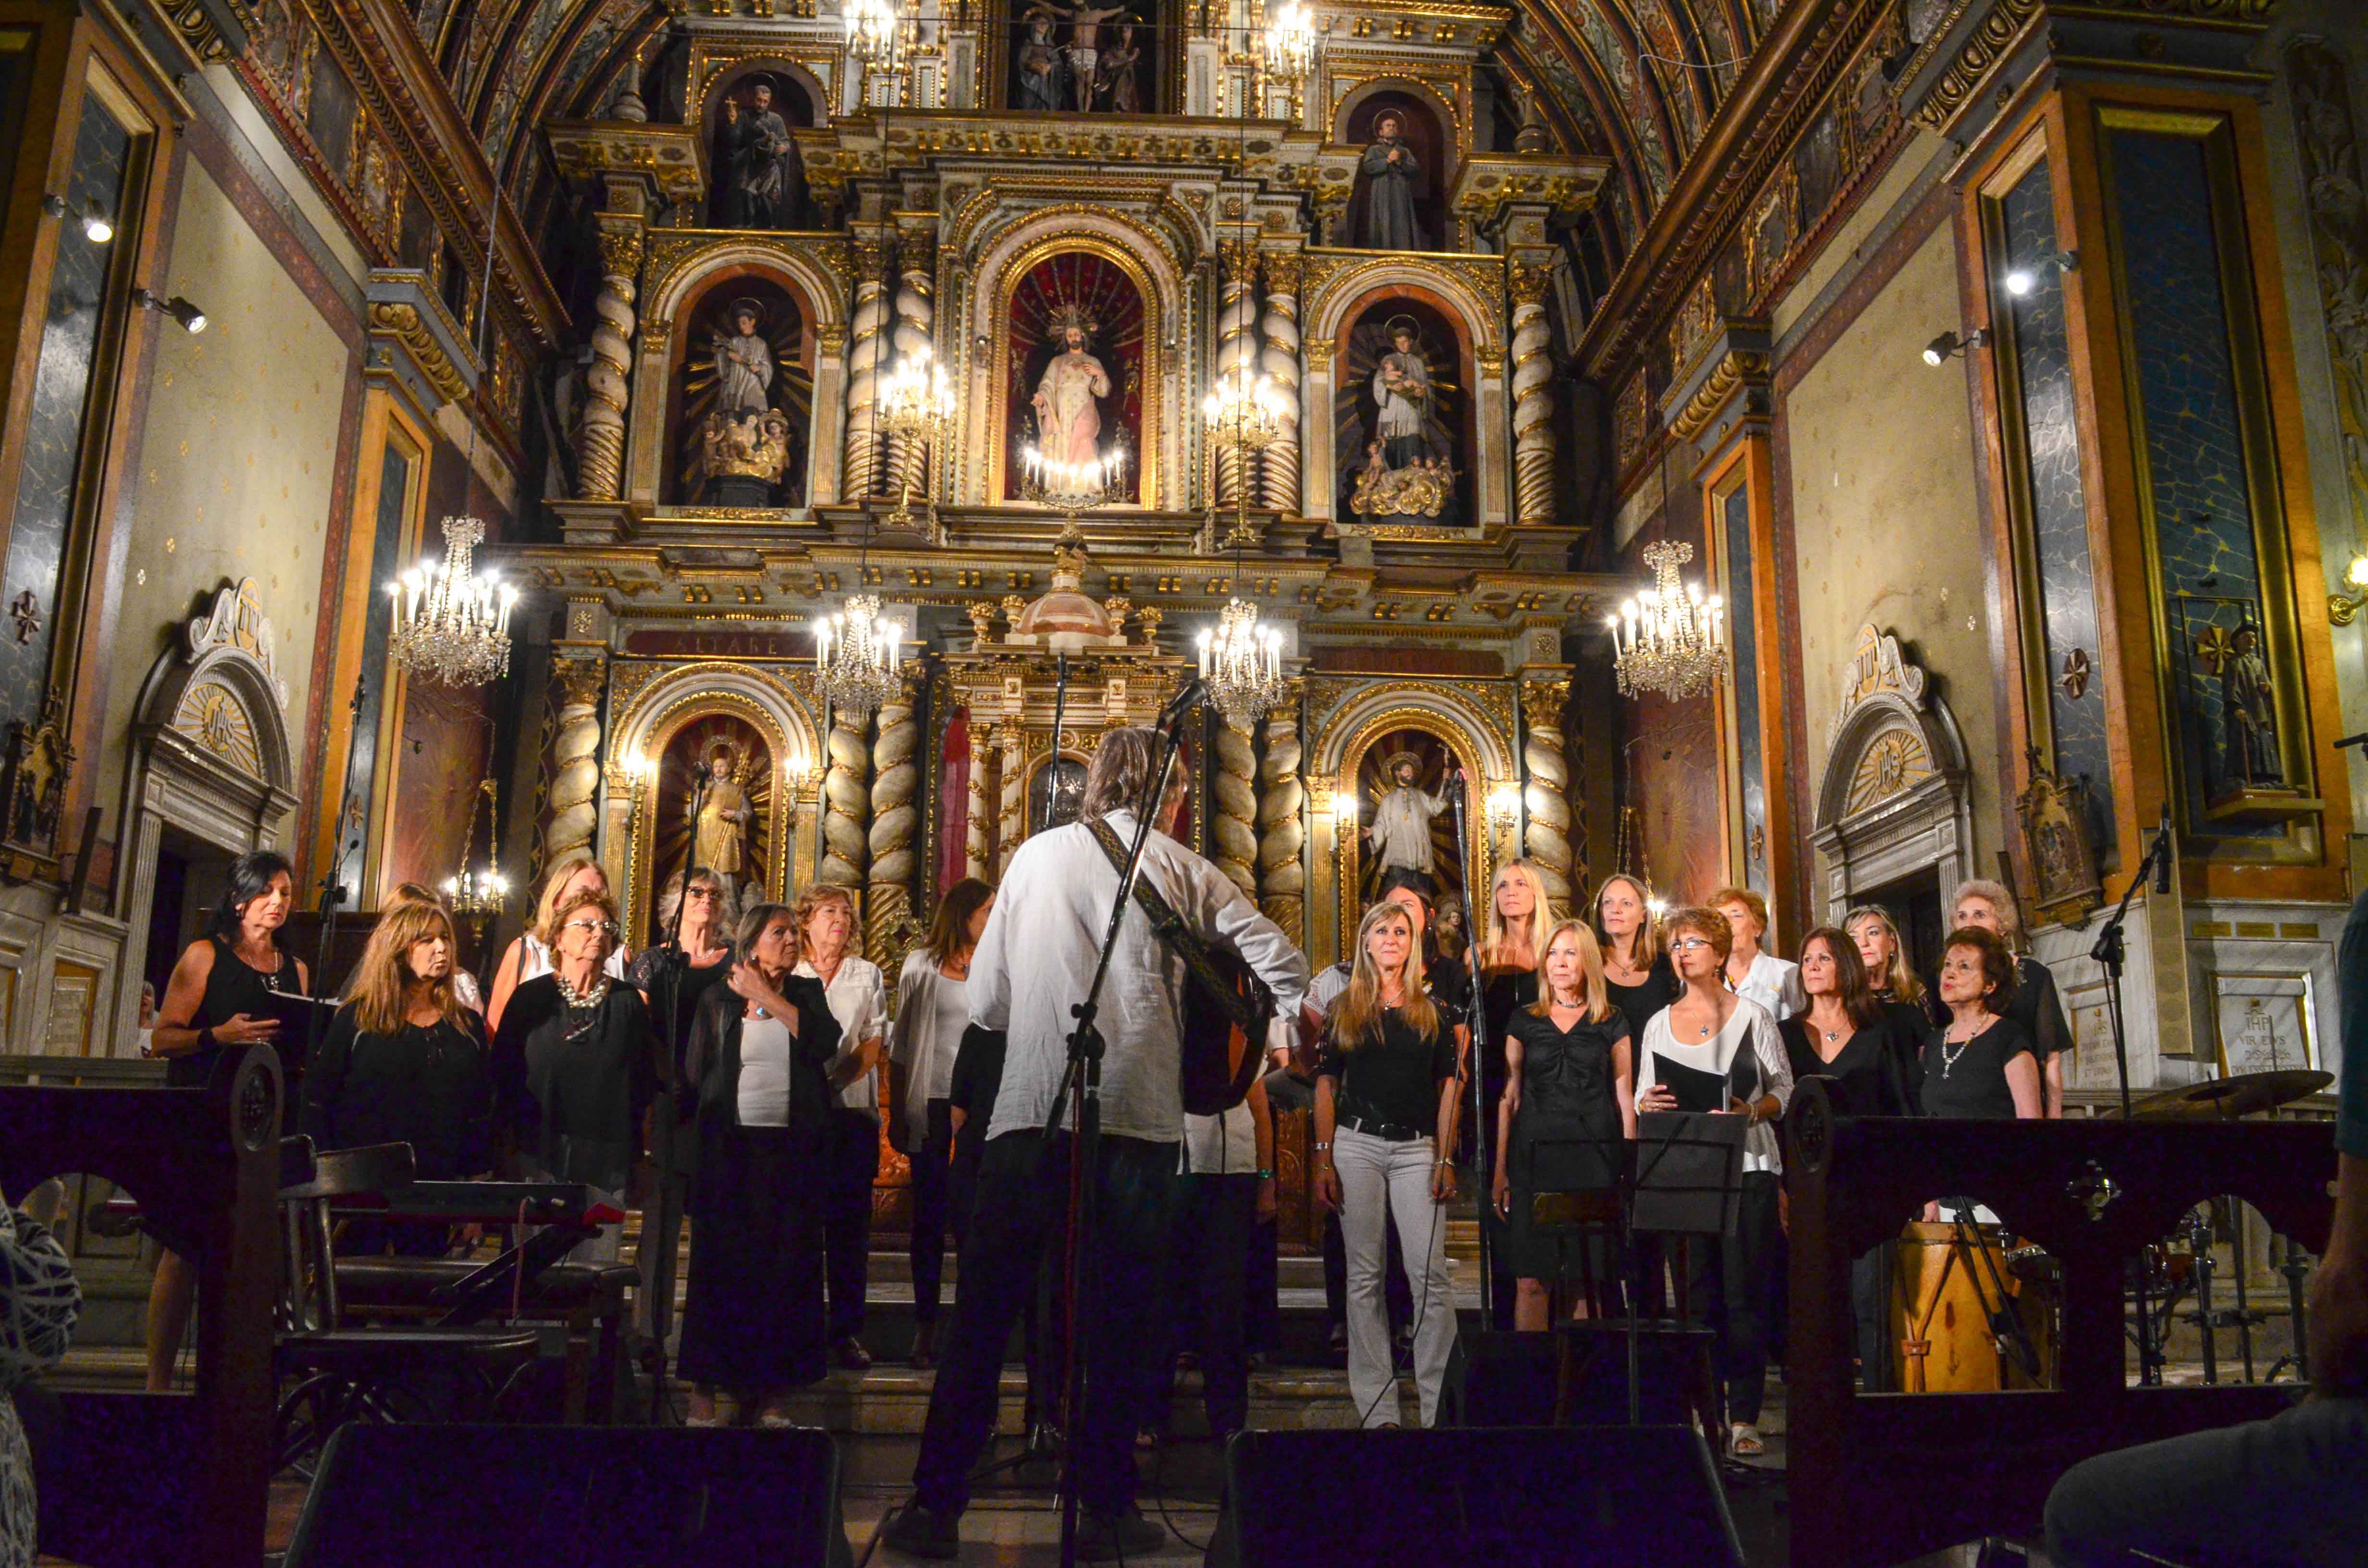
{"x": 2020, "y": 281}
{"x": 97, "y": 224}
{"x": 1948, "y": 346}
{"x": 191, "y": 318}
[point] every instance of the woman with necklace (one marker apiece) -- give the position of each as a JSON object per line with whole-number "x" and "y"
{"x": 530, "y": 956}
{"x": 1890, "y": 979}
{"x": 858, "y": 1000}
{"x": 218, "y": 1000}
{"x": 1979, "y": 1064}
{"x": 932, "y": 1011}
{"x": 1637, "y": 976}
{"x": 1385, "y": 1113}
{"x": 582, "y": 1043}
{"x": 1511, "y": 952}
{"x": 2028, "y": 997}
{"x": 1567, "y": 1116}
{"x": 1710, "y": 1031}
{"x": 755, "y": 1087}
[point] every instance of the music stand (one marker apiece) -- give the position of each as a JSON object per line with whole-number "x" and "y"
{"x": 1688, "y": 1172}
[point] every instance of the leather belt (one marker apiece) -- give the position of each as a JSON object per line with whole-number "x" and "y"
{"x": 1388, "y": 1131}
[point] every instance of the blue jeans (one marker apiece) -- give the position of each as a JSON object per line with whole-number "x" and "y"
{"x": 2281, "y": 1492}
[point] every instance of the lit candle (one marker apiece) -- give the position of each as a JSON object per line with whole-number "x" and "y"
{"x": 1207, "y": 639}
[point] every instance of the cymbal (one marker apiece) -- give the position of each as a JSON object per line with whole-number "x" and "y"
{"x": 2223, "y": 1099}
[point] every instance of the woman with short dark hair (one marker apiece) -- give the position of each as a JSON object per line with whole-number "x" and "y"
{"x": 2028, "y": 996}
{"x": 932, "y": 1011}
{"x": 757, "y": 1092}
{"x": 1980, "y": 1064}
{"x": 220, "y": 998}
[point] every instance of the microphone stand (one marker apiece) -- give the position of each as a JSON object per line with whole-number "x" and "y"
{"x": 333, "y": 893}
{"x": 1082, "y": 1078}
{"x": 665, "y": 988}
{"x": 1476, "y": 1019}
{"x": 2110, "y": 952}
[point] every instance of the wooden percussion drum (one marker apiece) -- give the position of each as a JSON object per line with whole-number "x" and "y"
{"x": 1945, "y": 1292}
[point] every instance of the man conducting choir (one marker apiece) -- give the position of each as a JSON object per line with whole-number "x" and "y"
{"x": 1035, "y": 961}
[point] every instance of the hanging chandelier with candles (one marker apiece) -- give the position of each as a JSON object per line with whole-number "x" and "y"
{"x": 875, "y": 33}
{"x": 916, "y": 405}
{"x": 473, "y": 893}
{"x": 1669, "y": 638}
{"x": 451, "y": 625}
{"x": 1290, "y": 50}
{"x": 855, "y": 651}
{"x": 1242, "y": 664}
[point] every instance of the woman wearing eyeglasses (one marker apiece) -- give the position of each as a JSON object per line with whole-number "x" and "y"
{"x": 583, "y": 1042}
{"x": 1710, "y": 1034}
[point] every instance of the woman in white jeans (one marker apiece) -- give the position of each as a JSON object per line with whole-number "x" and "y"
{"x": 1385, "y": 1105}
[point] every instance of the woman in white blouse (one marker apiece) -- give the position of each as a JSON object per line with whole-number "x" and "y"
{"x": 932, "y": 1010}
{"x": 1751, "y": 972}
{"x": 1710, "y": 1029}
{"x": 858, "y": 1000}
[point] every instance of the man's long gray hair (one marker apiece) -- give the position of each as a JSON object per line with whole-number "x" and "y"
{"x": 1120, "y": 779}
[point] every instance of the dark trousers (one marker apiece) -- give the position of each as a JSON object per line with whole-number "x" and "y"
{"x": 1206, "y": 1302}
{"x": 1870, "y": 1309}
{"x": 1022, "y": 1206}
{"x": 933, "y": 1211}
{"x": 1262, "y": 1288}
{"x": 1726, "y": 1287}
{"x": 853, "y": 1164}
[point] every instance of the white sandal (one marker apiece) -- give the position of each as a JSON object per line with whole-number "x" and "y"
{"x": 1745, "y": 1441}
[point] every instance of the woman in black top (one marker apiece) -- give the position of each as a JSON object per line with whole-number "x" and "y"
{"x": 1636, "y": 973}
{"x": 2028, "y": 998}
{"x": 218, "y": 1000}
{"x": 1979, "y": 1065}
{"x": 757, "y": 1089}
{"x": 700, "y": 959}
{"x": 1568, "y": 1110}
{"x": 1385, "y": 1113}
{"x": 1519, "y": 919}
{"x": 583, "y": 1042}
{"x": 1891, "y": 980}
{"x": 1844, "y": 1039}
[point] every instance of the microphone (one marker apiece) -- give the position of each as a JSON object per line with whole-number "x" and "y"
{"x": 701, "y": 773}
{"x": 2359, "y": 740}
{"x": 1194, "y": 690}
{"x": 2162, "y": 851}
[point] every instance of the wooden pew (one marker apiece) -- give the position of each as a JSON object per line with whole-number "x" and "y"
{"x": 1877, "y": 1478}
{"x": 141, "y": 1478}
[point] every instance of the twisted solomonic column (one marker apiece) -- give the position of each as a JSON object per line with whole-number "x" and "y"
{"x": 600, "y": 439}
{"x": 574, "y": 757}
{"x": 916, "y": 313}
{"x": 974, "y": 827}
{"x": 1546, "y": 839}
{"x": 1236, "y": 348}
{"x": 1233, "y": 833}
{"x": 859, "y": 476}
{"x": 1278, "y": 361}
{"x": 1012, "y": 829}
{"x": 1282, "y": 879}
{"x": 1533, "y": 441}
{"x": 896, "y": 818}
{"x": 845, "y": 804}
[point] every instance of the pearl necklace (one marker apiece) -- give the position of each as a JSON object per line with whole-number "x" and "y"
{"x": 591, "y": 998}
{"x": 1948, "y": 1057}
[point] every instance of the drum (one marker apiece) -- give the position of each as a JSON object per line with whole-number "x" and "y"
{"x": 1945, "y": 1289}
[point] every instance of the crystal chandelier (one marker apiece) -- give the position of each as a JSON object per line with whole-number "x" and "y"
{"x": 856, "y": 653}
{"x": 451, "y": 625}
{"x": 874, "y": 33}
{"x": 1290, "y": 39}
{"x": 1242, "y": 664}
{"x": 1242, "y": 415}
{"x": 1669, "y": 638}
{"x": 916, "y": 404}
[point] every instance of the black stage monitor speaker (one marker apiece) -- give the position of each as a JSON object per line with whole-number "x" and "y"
{"x": 1570, "y": 1497}
{"x": 1508, "y": 1379}
{"x": 407, "y": 1496}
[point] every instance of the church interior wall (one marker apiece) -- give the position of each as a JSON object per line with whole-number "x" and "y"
{"x": 1885, "y": 527}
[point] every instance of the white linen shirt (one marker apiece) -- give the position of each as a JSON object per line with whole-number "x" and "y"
{"x": 1775, "y": 984}
{"x": 930, "y": 1013}
{"x": 858, "y": 1000}
{"x": 1747, "y": 1028}
{"x": 1036, "y": 958}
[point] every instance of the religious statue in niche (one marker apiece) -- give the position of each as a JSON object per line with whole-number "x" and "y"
{"x": 719, "y": 838}
{"x": 1119, "y": 82}
{"x": 1043, "y": 78}
{"x": 1084, "y": 72}
{"x": 2056, "y": 836}
{"x": 1389, "y": 170}
{"x": 760, "y": 182}
{"x": 1068, "y": 417}
{"x": 722, "y": 827}
{"x": 744, "y": 398}
{"x": 2250, "y": 713}
{"x": 1397, "y": 450}
{"x": 1054, "y": 793}
{"x": 1407, "y": 825}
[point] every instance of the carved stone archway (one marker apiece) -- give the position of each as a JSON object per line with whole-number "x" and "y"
{"x": 1892, "y": 800}
{"x": 210, "y": 757}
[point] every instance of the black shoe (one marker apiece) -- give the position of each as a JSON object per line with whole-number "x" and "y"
{"x": 917, "y": 1532}
{"x": 1117, "y": 1536}
{"x": 851, "y": 1354}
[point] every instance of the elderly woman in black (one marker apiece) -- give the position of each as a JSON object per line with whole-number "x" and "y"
{"x": 582, "y": 1041}
{"x": 218, "y": 999}
{"x": 1980, "y": 1064}
{"x": 756, "y": 1077}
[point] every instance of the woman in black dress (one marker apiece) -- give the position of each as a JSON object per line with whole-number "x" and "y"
{"x": 1568, "y": 1110}
{"x": 1979, "y": 1064}
{"x": 1511, "y": 951}
{"x": 1637, "y": 977}
{"x": 2029, "y": 998}
{"x": 219, "y": 1001}
{"x": 1891, "y": 980}
{"x": 756, "y": 1077}
{"x": 583, "y": 1042}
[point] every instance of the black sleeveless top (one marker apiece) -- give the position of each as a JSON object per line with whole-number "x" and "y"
{"x": 233, "y": 988}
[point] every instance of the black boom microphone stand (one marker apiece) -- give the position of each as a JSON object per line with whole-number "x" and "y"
{"x": 665, "y": 988}
{"x": 1459, "y": 788}
{"x": 1082, "y": 1078}
{"x": 2111, "y": 953}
